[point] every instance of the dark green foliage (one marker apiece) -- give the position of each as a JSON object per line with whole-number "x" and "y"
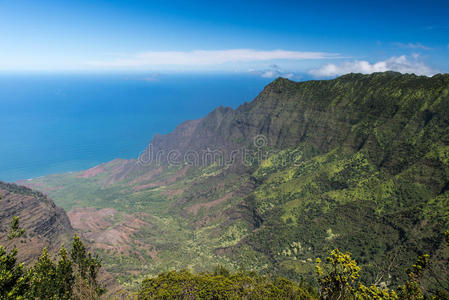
{"x": 74, "y": 278}
{"x": 430, "y": 274}
{"x": 65, "y": 277}
{"x": 15, "y": 231}
{"x": 221, "y": 271}
{"x": 338, "y": 277}
{"x": 241, "y": 285}
{"x": 42, "y": 279}
{"x": 47, "y": 280}
{"x": 87, "y": 268}
{"x": 412, "y": 289}
{"x": 13, "y": 282}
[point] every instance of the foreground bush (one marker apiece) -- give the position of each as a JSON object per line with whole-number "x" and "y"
{"x": 73, "y": 276}
{"x": 219, "y": 285}
{"x": 338, "y": 278}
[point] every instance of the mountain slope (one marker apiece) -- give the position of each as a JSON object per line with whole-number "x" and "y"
{"x": 45, "y": 224}
{"x": 360, "y": 162}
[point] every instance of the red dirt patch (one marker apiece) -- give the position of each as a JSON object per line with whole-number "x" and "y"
{"x": 166, "y": 181}
{"x": 92, "y": 172}
{"x": 99, "y": 228}
{"x": 148, "y": 176}
{"x": 91, "y": 219}
{"x": 38, "y": 186}
{"x": 173, "y": 193}
{"x": 195, "y": 208}
{"x": 120, "y": 168}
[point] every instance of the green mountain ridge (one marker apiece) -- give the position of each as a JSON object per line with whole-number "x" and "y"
{"x": 360, "y": 162}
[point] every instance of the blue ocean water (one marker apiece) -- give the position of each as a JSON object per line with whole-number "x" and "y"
{"x": 60, "y": 123}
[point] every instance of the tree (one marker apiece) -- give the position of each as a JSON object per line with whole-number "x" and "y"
{"x": 13, "y": 282}
{"x": 64, "y": 275}
{"x": 429, "y": 276}
{"x": 338, "y": 280}
{"x": 73, "y": 277}
{"x": 15, "y": 231}
{"x": 86, "y": 271}
{"x": 43, "y": 278}
{"x": 13, "y": 279}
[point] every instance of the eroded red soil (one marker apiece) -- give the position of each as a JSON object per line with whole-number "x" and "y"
{"x": 92, "y": 172}
{"x": 110, "y": 230}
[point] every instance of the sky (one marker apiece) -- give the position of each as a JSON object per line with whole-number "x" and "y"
{"x": 267, "y": 38}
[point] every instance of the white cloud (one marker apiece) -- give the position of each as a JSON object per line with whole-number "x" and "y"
{"x": 400, "y": 64}
{"x": 412, "y": 46}
{"x": 275, "y": 71}
{"x": 208, "y": 57}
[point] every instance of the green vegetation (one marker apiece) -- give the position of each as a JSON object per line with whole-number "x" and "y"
{"x": 73, "y": 277}
{"x": 337, "y": 278}
{"x": 359, "y": 163}
{"x": 240, "y": 285}
{"x": 15, "y": 231}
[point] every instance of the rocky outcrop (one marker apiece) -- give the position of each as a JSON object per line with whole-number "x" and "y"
{"x": 45, "y": 224}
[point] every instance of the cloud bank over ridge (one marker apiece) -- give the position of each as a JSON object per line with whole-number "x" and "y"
{"x": 401, "y": 64}
{"x": 207, "y": 57}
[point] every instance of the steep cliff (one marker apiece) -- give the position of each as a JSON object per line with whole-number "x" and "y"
{"x": 45, "y": 224}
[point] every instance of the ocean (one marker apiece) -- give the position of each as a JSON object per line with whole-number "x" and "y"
{"x": 60, "y": 123}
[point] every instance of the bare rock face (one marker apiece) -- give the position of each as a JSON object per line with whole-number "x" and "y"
{"x": 45, "y": 224}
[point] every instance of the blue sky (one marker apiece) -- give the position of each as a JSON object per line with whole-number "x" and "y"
{"x": 267, "y": 38}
